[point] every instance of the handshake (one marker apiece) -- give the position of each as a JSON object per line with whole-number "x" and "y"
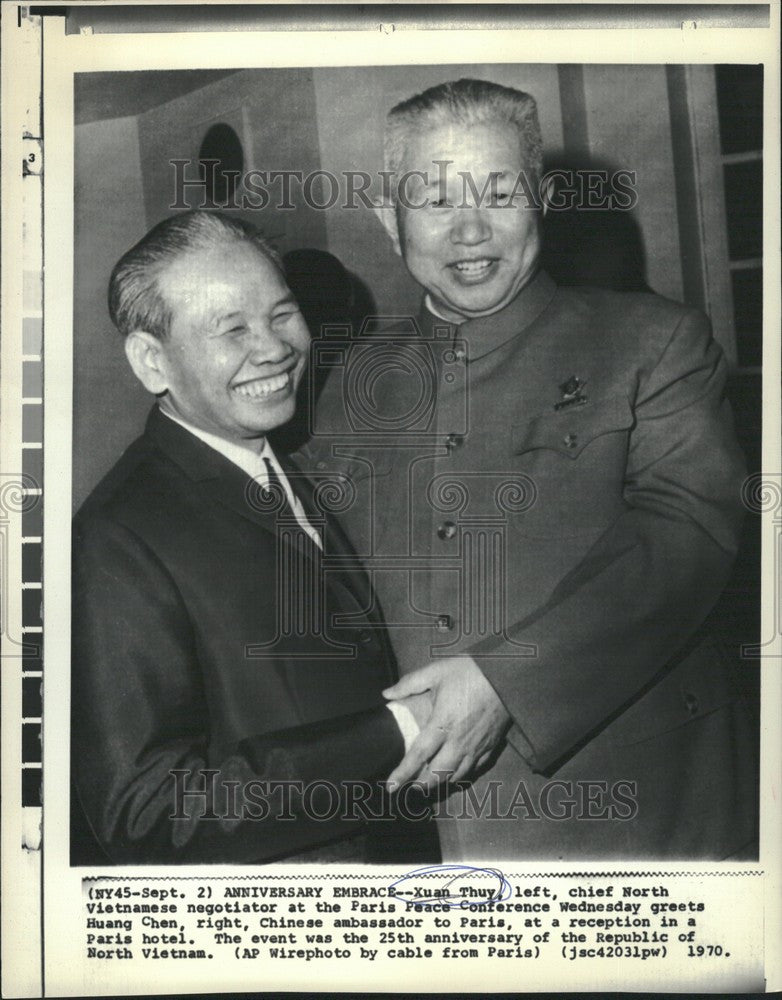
{"x": 460, "y": 717}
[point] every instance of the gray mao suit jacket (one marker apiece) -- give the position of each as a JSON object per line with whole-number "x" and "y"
{"x": 555, "y": 491}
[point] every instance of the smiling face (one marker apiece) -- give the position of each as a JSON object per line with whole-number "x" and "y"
{"x": 472, "y": 254}
{"x": 237, "y": 344}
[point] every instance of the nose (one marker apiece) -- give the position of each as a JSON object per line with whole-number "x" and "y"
{"x": 470, "y": 226}
{"x": 267, "y": 347}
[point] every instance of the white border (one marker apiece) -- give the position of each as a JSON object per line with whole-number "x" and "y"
{"x": 66, "y": 54}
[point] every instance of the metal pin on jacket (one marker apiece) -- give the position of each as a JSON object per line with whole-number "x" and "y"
{"x": 572, "y": 394}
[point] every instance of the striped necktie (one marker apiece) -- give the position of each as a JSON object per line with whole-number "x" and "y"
{"x": 285, "y": 509}
{"x": 276, "y": 492}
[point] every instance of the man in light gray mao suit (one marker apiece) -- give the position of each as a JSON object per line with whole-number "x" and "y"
{"x": 548, "y": 548}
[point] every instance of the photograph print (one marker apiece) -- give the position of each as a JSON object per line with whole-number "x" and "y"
{"x": 415, "y": 414}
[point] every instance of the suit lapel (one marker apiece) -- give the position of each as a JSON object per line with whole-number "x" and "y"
{"x": 220, "y": 480}
{"x": 223, "y": 482}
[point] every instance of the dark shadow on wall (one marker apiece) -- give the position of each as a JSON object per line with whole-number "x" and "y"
{"x": 329, "y": 296}
{"x": 600, "y": 246}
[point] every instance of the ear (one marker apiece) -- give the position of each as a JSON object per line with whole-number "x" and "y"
{"x": 146, "y": 356}
{"x": 386, "y": 215}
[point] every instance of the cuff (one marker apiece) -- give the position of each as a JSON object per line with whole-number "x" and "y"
{"x": 405, "y": 719}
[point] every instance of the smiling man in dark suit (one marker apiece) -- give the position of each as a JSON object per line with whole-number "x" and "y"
{"x": 227, "y": 676}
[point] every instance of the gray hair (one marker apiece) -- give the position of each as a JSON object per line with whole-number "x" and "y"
{"x": 135, "y": 299}
{"x": 464, "y": 102}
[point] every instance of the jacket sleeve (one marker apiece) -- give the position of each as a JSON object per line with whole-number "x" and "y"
{"x": 149, "y": 779}
{"x": 651, "y": 579}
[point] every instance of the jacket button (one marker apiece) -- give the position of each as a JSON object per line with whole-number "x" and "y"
{"x": 444, "y": 623}
{"x": 365, "y": 636}
{"x": 570, "y": 440}
{"x": 446, "y": 530}
{"x": 454, "y": 441}
{"x": 691, "y": 703}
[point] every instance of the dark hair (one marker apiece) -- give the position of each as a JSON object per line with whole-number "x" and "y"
{"x": 135, "y": 299}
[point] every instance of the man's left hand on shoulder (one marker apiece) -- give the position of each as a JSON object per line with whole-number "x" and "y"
{"x": 468, "y": 720}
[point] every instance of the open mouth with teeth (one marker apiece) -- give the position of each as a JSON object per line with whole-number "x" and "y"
{"x": 469, "y": 271}
{"x": 263, "y": 388}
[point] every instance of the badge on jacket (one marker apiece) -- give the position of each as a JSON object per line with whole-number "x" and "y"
{"x": 572, "y": 394}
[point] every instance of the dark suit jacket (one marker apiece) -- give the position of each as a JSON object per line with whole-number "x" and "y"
{"x": 202, "y": 639}
{"x": 575, "y": 551}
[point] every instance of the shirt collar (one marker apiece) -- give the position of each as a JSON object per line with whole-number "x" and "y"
{"x": 246, "y": 458}
{"x": 487, "y": 333}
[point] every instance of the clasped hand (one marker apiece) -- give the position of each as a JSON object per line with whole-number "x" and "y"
{"x": 467, "y": 722}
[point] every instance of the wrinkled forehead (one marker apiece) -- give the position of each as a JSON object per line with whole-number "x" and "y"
{"x": 207, "y": 278}
{"x": 483, "y": 147}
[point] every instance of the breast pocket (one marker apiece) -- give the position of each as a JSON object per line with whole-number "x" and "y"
{"x": 576, "y": 458}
